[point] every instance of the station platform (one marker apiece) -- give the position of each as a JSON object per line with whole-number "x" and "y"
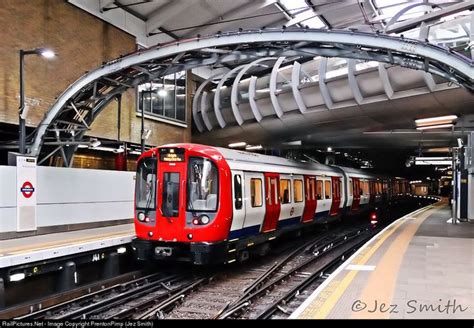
{"x": 418, "y": 267}
{"x": 44, "y": 247}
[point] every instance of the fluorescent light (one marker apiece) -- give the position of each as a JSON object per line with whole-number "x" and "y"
{"x": 257, "y": 147}
{"x": 329, "y": 149}
{"x": 17, "y": 276}
{"x": 162, "y": 93}
{"x": 429, "y": 127}
{"x": 95, "y": 143}
{"x": 436, "y": 120}
{"x": 46, "y": 53}
{"x": 237, "y": 144}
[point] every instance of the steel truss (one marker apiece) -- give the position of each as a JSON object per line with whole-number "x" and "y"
{"x": 65, "y": 124}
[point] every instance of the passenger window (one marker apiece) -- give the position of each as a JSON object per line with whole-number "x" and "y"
{"x": 284, "y": 191}
{"x": 351, "y": 188}
{"x": 298, "y": 190}
{"x": 327, "y": 189}
{"x": 237, "y": 191}
{"x": 256, "y": 192}
{"x": 319, "y": 189}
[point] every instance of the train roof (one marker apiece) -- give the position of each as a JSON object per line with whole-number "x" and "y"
{"x": 236, "y": 158}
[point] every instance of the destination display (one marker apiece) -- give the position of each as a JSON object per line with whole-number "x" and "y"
{"x": 172, "y": 154}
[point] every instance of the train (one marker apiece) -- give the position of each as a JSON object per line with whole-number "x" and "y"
{"x": 210, "y": 205}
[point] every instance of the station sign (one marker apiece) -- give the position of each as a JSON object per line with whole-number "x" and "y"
{"x": 26, "y": 193}
{"x": 171, "y": 154}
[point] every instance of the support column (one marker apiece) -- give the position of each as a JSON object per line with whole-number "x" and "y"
{"x": 111, "y": 266}
{"x": 68, "y": 279}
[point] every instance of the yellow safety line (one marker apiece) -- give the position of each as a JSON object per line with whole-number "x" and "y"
{"x": 64, "y": 242}
{"x": 329, "y": 303}
{"x": 382, "y": 282}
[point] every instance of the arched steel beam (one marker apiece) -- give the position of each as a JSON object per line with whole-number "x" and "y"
{"x": 234, "y": 98}
{"x": 217, "y": 95}
{"x": 273, "y": 87}
{"x": 241, "y": 47}
{"x": 198, "y": 120}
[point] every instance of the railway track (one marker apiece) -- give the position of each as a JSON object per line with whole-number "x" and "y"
{"x": 231, "y": 293}
{"x": 118, "y": 301}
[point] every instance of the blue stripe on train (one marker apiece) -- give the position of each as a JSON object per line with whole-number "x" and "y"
{"x": 247, "y": 231}
{"x": 255, "y": 230}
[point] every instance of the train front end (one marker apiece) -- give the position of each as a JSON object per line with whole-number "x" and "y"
{"x": 180, "y": 204}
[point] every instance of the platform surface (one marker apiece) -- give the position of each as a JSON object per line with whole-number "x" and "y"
{"x": 418, "y": 267}
{"x": 41, "y": 247}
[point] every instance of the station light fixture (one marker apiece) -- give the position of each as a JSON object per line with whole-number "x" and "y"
{"x": 162, "y": 93}
{"x": 432, "y": 127}
{"x": 240, "y": 144}
{"x": 46, "y": 53}
{"x": 95, "y": 143}
{"x": 433, "y": 121}
{"x": 329, "y": 149}
{"x": 256, "y": 147}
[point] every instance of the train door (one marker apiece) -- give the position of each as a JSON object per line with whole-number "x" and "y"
{"x": 238, "y": 196}
{"x": 286, "y": 199}
{"x": 356, "y": 194}
{"x": 310, "y": 198}
{"x": 272, "y": 203}
{"x": 336, "y": 196}
{"x": 371, "y": 192}
{"x": 171, "y": 196}
{"x": 254, "y": 201}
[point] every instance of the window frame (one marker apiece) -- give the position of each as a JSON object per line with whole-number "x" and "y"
{"x": 289, "y": 191}
{"x": 239, "y": 190}
{"x": 261, "y": 193}
{"x": 326, "y": 184}
{"x": 294, "y": 191}
{"x": 163, "y": 118}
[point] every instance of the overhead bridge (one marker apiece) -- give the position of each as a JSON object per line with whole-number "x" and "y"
{"x": 66, "y": 122}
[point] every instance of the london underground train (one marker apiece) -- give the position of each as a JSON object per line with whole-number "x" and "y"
{"x": 210, "y": 205}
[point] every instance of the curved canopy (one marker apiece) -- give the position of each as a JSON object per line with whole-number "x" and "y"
{"x": 76, "y": 108}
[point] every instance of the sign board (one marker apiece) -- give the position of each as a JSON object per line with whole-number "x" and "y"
{"x": 25, "y": 193}
{"x": 172, "y": 154}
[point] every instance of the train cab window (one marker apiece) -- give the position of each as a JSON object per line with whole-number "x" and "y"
{"x": 319, "y": 189}
{"x": 256, "y": 192}
{"x": 298, "y": 190}
{"x": 351, "y": 187}
{"x": 237, "y": 191}
{"x": 203, "y": 185}
{"x": 170, "y": 195}
{"x": 145, "y": 192}
{"x": 327, "y": 189}
{"x": 284, "y": 191}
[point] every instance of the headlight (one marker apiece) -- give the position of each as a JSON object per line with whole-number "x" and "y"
{"x": 141, "y": 216}
{"x": 204, "y": 219}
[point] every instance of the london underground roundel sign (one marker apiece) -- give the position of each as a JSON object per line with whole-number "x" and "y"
{"x": 27, "y": 189}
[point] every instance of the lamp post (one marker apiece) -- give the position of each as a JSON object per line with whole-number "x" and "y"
{"x": 21, "y": 112}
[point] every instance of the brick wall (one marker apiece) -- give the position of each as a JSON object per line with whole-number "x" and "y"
{"x": 82, "y": 42}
